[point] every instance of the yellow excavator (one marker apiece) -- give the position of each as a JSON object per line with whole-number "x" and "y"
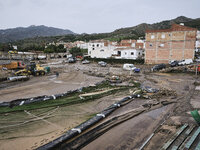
{"x": 31, "y": 69}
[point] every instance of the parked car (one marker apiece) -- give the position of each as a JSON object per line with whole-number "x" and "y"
{"x": 79, "y": 57}
{"x": 185, "y": 62}
{"x": 137, "y": 70}
{"x": 30, "y": 58}
{"x": 71, "y": 60}
{"x": 174, "y": 63}
{"x": 197, "y": 60}
{"x": 102, "y": 63}
{"x": 41, "y": 57}
{"x": 85, "y": 61}
{"x": 158, "y": 67}
{"x": 129, "y": 67}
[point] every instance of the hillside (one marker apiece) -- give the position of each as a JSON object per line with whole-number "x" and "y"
{"x": 134, "y": 32}
{"x": 140, "y": 29}
{"x": 124, "y": 33}
{"x": 14, "y": 34}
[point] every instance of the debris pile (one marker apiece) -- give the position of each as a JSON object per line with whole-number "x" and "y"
{"x": 163, "y": 92}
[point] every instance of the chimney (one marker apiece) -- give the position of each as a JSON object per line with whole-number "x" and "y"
{"x": 182, "y": 24}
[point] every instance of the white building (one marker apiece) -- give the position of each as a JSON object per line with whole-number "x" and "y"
{"x": 14, "y": 47}
{"x": 127, "y": 53}
{"x": 81, "y": 44}
{"x": 198, "y": 41}
{"x": 101, "y": 49}
{"x": 127, "y": 49}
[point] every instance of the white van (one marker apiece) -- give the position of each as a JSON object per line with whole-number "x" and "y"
{"x": 129, "y": 67}
{"x": 185, "y": 62}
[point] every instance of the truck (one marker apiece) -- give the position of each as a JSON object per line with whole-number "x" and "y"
{"x": 13, "y": 65}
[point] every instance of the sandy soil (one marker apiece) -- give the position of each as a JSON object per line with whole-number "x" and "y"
{"x": 48, "y": 85}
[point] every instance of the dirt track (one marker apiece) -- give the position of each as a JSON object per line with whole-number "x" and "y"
{"x": 48, "y": 85}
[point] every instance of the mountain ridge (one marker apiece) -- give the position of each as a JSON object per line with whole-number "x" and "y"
{"x": 133, "y": 32}
{"x": 20, "y": 33}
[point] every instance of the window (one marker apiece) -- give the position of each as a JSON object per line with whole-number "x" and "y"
{"x": 125, "y": 53}
{"x": 97, "y": 45}
{"x": 101, "y": 50}
{"x": 132, "y": 53}
{"x": 139, "y": 53}
{"x": 152, "y": 36}
{"x": 93, "y": 45}
{"x": 162, "y": 45}
{"x": 163, "y": 36}
{"x": 119, "y": 53}
{"x": 151, "y": 44}
{"x": 92, "y": 48}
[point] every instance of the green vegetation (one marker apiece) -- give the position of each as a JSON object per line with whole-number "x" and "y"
{"x": 116, "y": 61}
{"x": 55, "y": 49}
{"x": 76, "y": 51}
{"x": 5, "y": 47}
{"x": 71, "y": 99}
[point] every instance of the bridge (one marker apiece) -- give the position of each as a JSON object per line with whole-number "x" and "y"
{"x": 27, "y": 55}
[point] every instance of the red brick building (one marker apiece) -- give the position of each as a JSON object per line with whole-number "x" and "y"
{"x": 176, "y": 43}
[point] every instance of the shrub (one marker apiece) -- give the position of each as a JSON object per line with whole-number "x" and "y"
{"x": 116, "y": 61}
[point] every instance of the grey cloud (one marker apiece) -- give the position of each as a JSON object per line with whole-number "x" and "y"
{"x": 92, "y": 15}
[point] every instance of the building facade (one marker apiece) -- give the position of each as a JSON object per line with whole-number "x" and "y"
{"x": 101, "y": 49}
{"x": 126, "y": 49}
{"x": 198, "y": 42}
{"x": 81, "y": 44}
{"x": 176, "y": 43}
{"x": 127, "y": 53}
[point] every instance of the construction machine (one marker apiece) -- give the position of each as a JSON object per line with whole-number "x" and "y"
{"x": 31, "y": 69}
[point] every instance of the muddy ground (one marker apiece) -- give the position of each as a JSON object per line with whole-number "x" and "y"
{"x": 30, "y": 129}
{"x": 134, "y": 132}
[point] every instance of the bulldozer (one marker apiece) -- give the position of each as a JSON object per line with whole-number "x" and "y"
{"x": 31, "y": 69}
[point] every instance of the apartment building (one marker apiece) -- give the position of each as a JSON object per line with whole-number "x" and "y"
{"x": 176, "y": 43}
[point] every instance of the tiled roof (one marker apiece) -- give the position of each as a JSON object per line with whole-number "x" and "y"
{"x": 174, "y": 27}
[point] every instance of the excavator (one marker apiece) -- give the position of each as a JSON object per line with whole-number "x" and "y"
{"x": 31, "y": 69}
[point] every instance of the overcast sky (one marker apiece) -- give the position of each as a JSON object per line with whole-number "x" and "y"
{"x": 93, "y": 16}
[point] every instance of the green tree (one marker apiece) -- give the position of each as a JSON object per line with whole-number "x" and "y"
{"x": 76, "y": 51}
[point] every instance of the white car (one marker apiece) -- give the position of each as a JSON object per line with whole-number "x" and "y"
{"x": 129, "y": 67}
{"x": 85, "y": 61}
{"x": 102, "y": 63}
{"x": 185, "y": 62}
{"x": 41, "y": 57}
